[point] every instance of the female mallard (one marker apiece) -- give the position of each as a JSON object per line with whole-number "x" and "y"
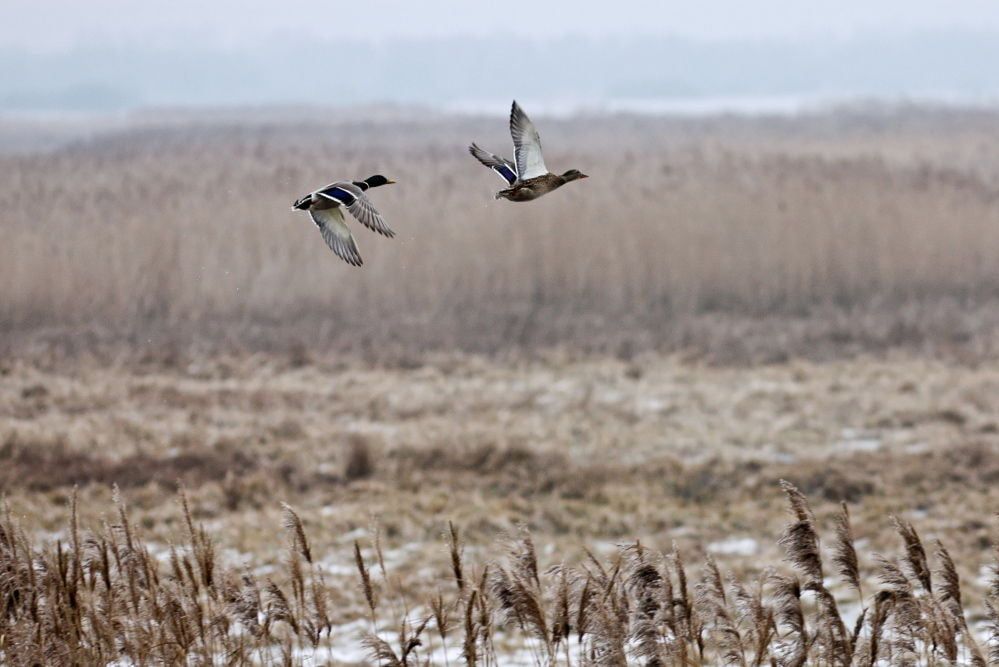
{"x": 529, "y": 178}
{"x": 326, "y": 208}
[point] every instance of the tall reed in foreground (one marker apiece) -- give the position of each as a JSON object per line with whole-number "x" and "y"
{"x": 100, "y": 596}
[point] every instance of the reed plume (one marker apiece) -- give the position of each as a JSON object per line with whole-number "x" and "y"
{"x": 100, "y": 596}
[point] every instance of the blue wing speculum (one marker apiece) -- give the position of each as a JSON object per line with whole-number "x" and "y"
{"x": 339, "y": 194}
{"x": 500, "y": 165}
{"x": 506, "y": 172}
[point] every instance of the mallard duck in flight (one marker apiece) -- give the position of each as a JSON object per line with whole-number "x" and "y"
{"x": 326, "y": 208}
{"x": 528, "y": 178}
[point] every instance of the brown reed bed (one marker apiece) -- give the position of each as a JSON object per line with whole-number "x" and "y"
{"x": 99, "y": 595}
{"x": 745, "y": 239}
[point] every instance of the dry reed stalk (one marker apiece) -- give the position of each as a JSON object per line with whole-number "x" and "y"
{"x": 525, "y": 557}
{"x": 484, "y": 608}
{"x": 752, "y": 613}
{"x": 519, "y": 604}
{"x": 277, "y": 608}
{"x": 800, "y": 539}
{"x": 836, "y": 641}
{"x": 244, "y": 604}
{"x": 800, "y": 542}
{"x": 560, "y": 627}
{"x": 320, "y": 607}
{"x": 469, "y": 649}
{"x": 381, "y": 651}
{"x": 293, "y": 564}
{"x": 690, "y": 624}
{"x": 905, "y": 616}
{"x": 608, "y": 632}
{"x": 712, "y": 601}
{"x": 296, "y": 530}
{"x": 582, "y": 608}
{"x": 801, "y": 548}
{"x": 797, "y": 502}
{"x": 201, "y": 545}
{"x": 299, "y": 549}
{"x": 992, "y": 609}
{"x": 366, "y": 585}
{"x": 915, "y": 555}
{"x": 411, "y": 642}
{"x": 792, "y": 648}
{"x": 882, "y": 608}
{"x": 376, "y": 538}
{"x": 455, "y": 550}
{"x": 668, "y": 607}
{"x": 516, "y": 588}
{"x": 949, "y": 595}
{"x": 649, "y": 610}
{"x": 441, "y": 612}
{"x": 845, "y": 553}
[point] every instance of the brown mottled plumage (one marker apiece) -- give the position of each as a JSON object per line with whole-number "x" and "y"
{"x": 528, "y": 178}
{"x": 533, "y": 188}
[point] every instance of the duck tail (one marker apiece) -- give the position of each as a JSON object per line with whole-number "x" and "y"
{"x": 303, "y": 203}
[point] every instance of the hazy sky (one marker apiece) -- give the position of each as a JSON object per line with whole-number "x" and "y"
{"x": 44, "y": 25}
{"x": 125, "y": 54}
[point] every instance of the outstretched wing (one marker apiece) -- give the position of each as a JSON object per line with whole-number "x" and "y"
{"x": 530, "y": 161}
{"x": 355, "y": 201}
{"x": 506, "y": 169}
{"x": 336, "y": 234}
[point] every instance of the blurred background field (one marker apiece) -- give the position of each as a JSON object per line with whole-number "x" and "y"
{"x": 738, "y": 238}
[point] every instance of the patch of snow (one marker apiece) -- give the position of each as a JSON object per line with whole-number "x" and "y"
{"x": 853, "y": 440}
{"x": 354, "y": 535}
{"x": 650, "y": 405}
{"x": 735, "y": 546}
{"x": 985, "y": 574}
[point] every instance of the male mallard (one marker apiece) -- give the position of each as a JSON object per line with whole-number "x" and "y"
{"x": 326, "y": 208}
{"x": 529, "y": 178}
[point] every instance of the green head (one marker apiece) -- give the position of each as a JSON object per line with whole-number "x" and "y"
{"x": 376, "y": 180}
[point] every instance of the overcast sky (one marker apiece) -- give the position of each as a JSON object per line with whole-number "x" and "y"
{"x": 106, "y": 55}
{"x": 45, "y": 25}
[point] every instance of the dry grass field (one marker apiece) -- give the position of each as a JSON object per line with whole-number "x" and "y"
{"x": 629, "y": 364}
